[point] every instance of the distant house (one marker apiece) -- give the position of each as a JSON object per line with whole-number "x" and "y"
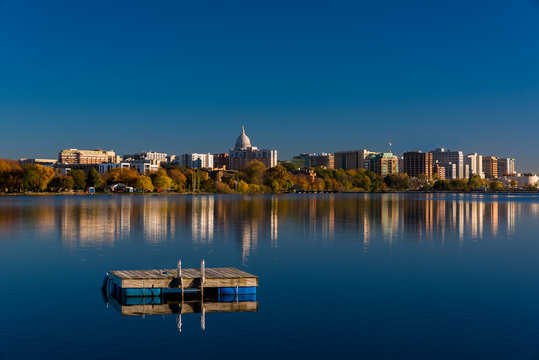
{"x": 119, "y": 188}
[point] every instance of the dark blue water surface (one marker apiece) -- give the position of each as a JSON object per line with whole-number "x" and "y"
{"x": 390, "y": 276}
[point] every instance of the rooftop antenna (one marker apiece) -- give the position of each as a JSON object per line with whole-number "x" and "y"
{"x": 390, "y": 145}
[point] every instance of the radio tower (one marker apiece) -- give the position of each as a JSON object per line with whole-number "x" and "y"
{"x": 390, "y": 145}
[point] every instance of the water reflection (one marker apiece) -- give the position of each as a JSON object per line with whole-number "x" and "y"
{"x": 189, "y": 304}
{"x": 104, "y": 221}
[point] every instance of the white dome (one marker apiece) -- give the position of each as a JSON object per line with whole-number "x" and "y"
{"x": 243, "y": 141}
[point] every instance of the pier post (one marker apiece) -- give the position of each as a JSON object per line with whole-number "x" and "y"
{"x": 202, "y": 277}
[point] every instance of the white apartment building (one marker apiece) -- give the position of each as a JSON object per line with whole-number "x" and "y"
{"x": 475, "y": 162}
{"x": 196, "y": 161}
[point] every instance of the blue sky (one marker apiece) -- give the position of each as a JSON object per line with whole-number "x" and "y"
{"x": 302, "y": 76}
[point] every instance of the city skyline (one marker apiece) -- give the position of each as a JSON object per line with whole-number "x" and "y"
{"x": 302, "y": 77}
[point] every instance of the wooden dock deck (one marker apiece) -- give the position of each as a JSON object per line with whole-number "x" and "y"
{"x": 196, "y": 278}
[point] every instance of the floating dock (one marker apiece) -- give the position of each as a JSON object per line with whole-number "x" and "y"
{"x": 181, "y": 291}
{"x": 157, "y": 282}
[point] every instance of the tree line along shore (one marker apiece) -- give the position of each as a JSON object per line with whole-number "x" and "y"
{"x": 253, "y": 178}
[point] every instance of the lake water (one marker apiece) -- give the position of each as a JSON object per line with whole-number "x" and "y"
{"x": 389, "y": 276}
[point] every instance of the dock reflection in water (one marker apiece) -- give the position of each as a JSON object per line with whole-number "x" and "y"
{"x": 190, "y": 303}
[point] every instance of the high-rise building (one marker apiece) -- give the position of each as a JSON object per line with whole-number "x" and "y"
{"x": 351, "y": 160}
{"x": 305, "y": 160}
{"x": 196, "y": 161}
{"x": 438, "y": 171}
{"x": 244, "y": 152}
{"x": 417, "y": 162}
{"x": 447, "y": 157}
{"x": 383, "y": 163}
{"x": 490, "y": 166}
{"x": 75, "y": 156}
{"x": 475, "y": 163}
{"x": 506, "y": 166}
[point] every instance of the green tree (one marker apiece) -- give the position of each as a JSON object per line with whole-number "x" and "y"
{"x": 79, "y": 177}
{"x": 144, "y": 183}
{"x": 476, "y": 182}
{"x": 397, "y": 181}
{"x": 361, "y": 181}
{"x": 441, "y": 185}
{"x": 289, "y": 166}
{"x": 513, "y": 183}
{"x": 95, "y": 179}
{"x": 61, "y": 183}
{"x": 458, "y": 184}
{"x": 495, "y": 185}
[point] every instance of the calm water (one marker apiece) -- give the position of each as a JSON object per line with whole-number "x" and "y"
{"x": 389, "y": 276}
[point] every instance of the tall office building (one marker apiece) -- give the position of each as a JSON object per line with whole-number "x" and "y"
{"x": 383, "y": 163}
{"x": 490, "y": 166}
{"x": 351, "y": 160}
{"x": 447, "y": 157}
{"x": 244, "y": 152}
{"x": 417, "y": 162}
{"x": 506, "y": 166}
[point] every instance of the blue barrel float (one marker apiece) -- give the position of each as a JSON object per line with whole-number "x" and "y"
{"x": 246, "y": 290}
{"x": 142, "y": 292}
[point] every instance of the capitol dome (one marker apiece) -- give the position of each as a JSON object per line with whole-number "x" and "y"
{"x": 243, "y": 141}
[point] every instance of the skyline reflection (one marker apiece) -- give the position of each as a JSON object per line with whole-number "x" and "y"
{"x": 247, "y": 220}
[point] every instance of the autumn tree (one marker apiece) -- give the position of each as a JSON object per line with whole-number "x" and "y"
{"x": 178, "y": 179}
{"x": 122, "y": 175}
{"x": 160, "y": 180}
{"x": 254, "y": 172}
{"x": 144, "y": 183}
{"x": 10, "y": 176}
{"x": 277, "y": 179}
{"x": 513, "y": 183}
{"x": 36, "y": 177}
{"x": 222, "y": 188}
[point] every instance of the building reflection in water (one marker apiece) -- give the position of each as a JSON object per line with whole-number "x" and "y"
{"x": 256, "y": 221}
{"x": 203, "y": 219}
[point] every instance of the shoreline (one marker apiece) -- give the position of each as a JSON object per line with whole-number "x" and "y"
{"x": 488, "y": 192}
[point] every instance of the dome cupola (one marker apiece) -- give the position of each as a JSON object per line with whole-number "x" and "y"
{"x": 242, "y": 142}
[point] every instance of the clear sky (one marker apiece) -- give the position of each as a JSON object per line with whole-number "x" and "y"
{"x": 302, "y": 76}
